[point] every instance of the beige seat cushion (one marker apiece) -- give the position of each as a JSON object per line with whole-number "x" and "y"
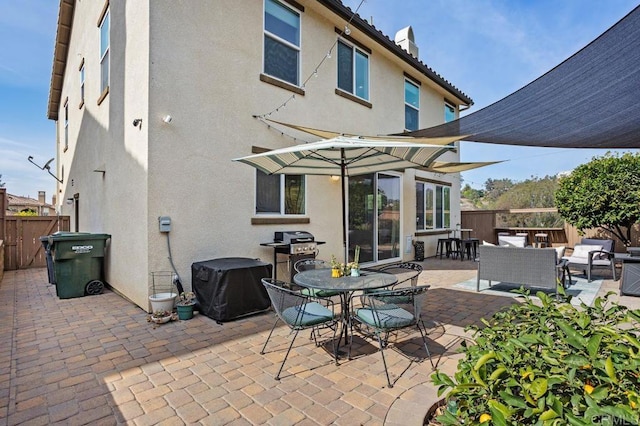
{"x": 582, "y": 250}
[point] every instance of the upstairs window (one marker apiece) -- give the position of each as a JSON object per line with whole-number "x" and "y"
{"x": 280, "y": 194}
{"x": 411, "y": 106}
{"x": 66, "y": 124}
{"x": 449, "y": 112}
{"x": 104, "y": 51}
{"x": 82, "y": 84}
{"x": 281, "y": 42}
{"x": 353, "y": 70}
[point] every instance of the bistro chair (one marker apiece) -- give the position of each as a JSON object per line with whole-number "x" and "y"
{"x": 407, "y": 272}
{"x": 309, "y": 264}
{"x": 387, "y": 312}
{"x": 298, "y": 312}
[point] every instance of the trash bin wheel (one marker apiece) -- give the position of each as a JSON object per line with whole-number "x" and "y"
{"x": 94, "y": 287}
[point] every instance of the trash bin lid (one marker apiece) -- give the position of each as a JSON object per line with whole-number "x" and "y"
{"x": 72, "y": 236}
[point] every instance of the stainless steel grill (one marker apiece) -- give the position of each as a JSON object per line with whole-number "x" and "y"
{"x": 299, "y": 242}
{"x": 292, "y": 246}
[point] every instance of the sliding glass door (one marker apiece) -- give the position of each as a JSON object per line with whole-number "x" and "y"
{"x": 374, "y": 216}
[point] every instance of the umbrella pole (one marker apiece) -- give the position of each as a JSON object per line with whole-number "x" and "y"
{"x": 343, "y": 167}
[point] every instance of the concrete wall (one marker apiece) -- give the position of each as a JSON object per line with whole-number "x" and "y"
{"x": 202, "y": 65}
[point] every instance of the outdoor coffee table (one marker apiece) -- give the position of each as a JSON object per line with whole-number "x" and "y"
{"x": 630, "y": 279}
{"x": 320, "y": 279}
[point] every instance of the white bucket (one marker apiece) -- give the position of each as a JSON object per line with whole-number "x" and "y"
{"x": 162, "y": 301}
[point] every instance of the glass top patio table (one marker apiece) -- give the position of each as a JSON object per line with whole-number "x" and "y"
{"x": 321, "y": 279}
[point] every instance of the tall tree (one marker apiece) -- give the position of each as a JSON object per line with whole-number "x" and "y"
{"x": 603, "y": 193}
{"x": 531, "y": 193}
{"x": 473, "y": 195}
{"x": 494, "y": 188}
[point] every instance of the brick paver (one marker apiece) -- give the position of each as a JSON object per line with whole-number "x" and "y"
{"x": 97, "y": 360}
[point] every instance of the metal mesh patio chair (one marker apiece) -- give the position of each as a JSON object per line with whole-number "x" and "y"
{"x": 387, "y": 312}
{"x": 298, "y": 312}
{"x": 405, "y": 271}
{"x": 309, "y": 264}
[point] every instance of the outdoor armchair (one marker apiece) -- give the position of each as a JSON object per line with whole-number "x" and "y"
{"x": 298, "y": 312}
{"x": 387, "y": 312}
{"x": 593, "y": 253}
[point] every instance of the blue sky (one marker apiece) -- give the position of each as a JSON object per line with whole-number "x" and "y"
{"x": 486, "y": 48}
{"x": 27, "y": 35}
{"x": 491, "y": 48}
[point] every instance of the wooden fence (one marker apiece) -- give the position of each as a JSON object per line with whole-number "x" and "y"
{"x": 21, "y": 236}
{"x": 484, "y": 225}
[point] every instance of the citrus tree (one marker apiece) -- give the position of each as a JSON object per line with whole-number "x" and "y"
{"x": 548, "y": 363}
{"x": 603, "y": 193}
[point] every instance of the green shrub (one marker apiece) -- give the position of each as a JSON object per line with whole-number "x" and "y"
{"x": 552, "y": 364}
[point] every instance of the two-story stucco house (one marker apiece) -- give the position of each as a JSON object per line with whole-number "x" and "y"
{"x": 153, "y": 100}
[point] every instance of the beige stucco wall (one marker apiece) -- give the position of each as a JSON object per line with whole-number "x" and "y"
{"x": 202, "y": 67}
{"x": 101, "y": 137}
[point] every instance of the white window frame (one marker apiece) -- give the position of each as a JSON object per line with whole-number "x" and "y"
{"x": 442, "y": 222}
{"x": 66, "y": 124}
{"x": 282, "y": 190}
{"x": 449, "y": 106}
{"x": 354, "y": 70}
{"x": 410, "y": 105}
{"x": 104, "y": 83}
{"x": 287, "y": 43}
{"x": 82, "y": 86}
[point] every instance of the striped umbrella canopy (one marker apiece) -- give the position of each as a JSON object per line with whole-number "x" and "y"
{"x": 348, "y": 156}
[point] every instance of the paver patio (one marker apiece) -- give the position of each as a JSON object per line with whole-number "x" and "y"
{"x": 97, "y": 360}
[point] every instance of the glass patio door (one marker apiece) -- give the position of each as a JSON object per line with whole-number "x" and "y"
{"x": 374, "y": 216}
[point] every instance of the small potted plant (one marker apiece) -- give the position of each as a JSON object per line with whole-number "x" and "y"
{"x": 354, "y": 266}
{"x": 185, "y": 305}
{"x": 336, "y": 268}
{"x": 160, "y": 316}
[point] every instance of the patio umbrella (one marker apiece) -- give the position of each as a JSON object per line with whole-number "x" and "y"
{"x": 348, "y": 156}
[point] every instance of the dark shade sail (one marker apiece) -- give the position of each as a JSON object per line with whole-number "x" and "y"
{"x": 591, "y": 100}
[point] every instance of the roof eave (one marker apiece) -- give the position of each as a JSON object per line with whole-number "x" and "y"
{"x": 60, "y": 52}
{"x": 346, "y": 13}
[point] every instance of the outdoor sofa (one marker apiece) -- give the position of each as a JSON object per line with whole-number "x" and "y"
{"x": 527, "y": 266}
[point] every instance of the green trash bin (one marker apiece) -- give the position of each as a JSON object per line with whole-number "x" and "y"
{"x": 78, "y": 263}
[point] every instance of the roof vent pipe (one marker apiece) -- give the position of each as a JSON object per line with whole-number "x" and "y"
{"x": 404, "y": 38}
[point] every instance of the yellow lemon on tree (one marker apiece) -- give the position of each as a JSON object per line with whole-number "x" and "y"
{"x": 485, "y": 418}
{"x": 588, "y": 389}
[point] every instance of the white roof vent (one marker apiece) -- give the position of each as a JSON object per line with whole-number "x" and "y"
{"x": 404, "y": 38}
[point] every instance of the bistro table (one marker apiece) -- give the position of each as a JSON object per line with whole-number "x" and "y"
{"x": 320, "y": 279}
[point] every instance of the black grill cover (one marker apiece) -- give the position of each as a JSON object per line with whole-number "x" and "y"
{"x": 230, "y": 287}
